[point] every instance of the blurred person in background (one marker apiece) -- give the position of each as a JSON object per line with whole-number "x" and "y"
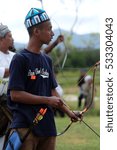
{"x": 80, "y": 84}
{"x": 85, "y": 83}
{"x": 6, "y": 55}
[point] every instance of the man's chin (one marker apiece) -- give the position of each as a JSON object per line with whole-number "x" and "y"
{"x": 12, "y": 48}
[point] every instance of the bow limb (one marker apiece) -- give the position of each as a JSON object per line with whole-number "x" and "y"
{"x": 66, "y": 54}
{"x": 91, "y": 68}
{"x": 94, "y": 67}
{"x": 93, "y": 88}
{"x": 69, "y": 125}
{"x": 87, "y": 107}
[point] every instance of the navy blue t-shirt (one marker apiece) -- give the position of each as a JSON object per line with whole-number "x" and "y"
{"x": 32, "y": 73}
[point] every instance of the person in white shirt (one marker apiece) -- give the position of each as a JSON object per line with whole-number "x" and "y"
{"x": 87, "y": 89}
{"x": 6, "y": 55}
{"x": 6, "y": 43}
{"x": 85, "y": 83}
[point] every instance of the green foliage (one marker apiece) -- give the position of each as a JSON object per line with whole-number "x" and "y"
{"x": 82, "y": 58}
{"x": 75, "y": 58}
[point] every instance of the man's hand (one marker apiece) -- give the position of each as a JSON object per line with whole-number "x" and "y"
{"x": 55, "y": 101}
{"x": 73, "y": 116}
{"x": 79, "y": 115}
{"x": 59, "y": 39}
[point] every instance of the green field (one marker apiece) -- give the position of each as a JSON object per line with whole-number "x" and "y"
{"x": 78, "y": 136}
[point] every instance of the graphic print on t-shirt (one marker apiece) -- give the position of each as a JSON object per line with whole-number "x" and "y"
{"x": 42, "y": 72}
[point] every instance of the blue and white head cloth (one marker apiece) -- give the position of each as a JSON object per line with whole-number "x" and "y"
{"x": 35, "y": 16}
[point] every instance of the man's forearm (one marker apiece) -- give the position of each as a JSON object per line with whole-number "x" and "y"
{"x": 50, "y": 47}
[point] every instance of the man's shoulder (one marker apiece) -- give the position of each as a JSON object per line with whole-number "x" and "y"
{"x": 46, "y": 56}
{"x": 19, "y": 56}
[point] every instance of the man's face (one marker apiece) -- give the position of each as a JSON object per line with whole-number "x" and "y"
{"x": 46, "y": 32}
{"x": 8, "y": 40}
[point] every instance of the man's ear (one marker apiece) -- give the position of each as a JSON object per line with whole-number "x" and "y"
{"x": 36, "y": 31}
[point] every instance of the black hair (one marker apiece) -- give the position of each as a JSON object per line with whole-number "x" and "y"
{"x": 30, "y": 29}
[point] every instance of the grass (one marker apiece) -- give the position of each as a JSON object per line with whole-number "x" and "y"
{"x": 78, "y": 136}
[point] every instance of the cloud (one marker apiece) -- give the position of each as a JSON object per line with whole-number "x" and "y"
{"x": 13, "y": 13}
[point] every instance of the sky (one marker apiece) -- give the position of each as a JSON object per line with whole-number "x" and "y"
{"x": 62, "y": 13}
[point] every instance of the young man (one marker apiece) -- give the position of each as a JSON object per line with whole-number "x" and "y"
{"x": 6, "y": 42}
{"x": 32, "y": 86}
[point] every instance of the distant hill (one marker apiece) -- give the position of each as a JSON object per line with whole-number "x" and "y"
{"x": 79, "y": 41}
{"x": 86, "y": 40}
{"x": 91, "y": 40}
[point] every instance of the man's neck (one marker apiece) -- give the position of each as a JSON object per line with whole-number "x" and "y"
{"x": 34, "y": 47}
{"x": 5, "y": 51}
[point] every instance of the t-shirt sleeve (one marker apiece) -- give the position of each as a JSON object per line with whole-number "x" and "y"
{"x": 54, "y": 83}
{"x": 17, "y": 73}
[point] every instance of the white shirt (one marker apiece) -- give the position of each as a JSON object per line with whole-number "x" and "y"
{"x": 5, "y": 60}
{"x": 86, "y": 87}
{"x": 59, "y": 90}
